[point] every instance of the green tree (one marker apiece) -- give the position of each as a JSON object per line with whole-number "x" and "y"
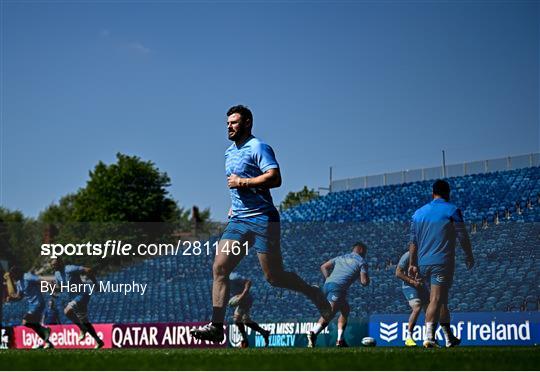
{"x": 299, "y": 197}
{"x": 129, "y": 190}
{"x": 59, "y": 213}
{"x": 127, "y": 200}
{"x": 19, "y": 239}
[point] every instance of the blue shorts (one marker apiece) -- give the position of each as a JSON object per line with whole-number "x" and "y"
{"x": 261, "y": 232}
{"x": 334, "y": 293}
{"x": 82, "y": 299}
{"x": 79, "y": 304}
{"x": 442, "y": 275}
{"x": 412, "y": 293}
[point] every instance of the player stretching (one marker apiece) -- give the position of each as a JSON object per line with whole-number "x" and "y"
{"x": 415, "y": 292}
{"x": 242, "y": 301}
{"x": 29, "y": 285}
{"x": 434, "y": 229}
{"x": 252, "y": 170}
{"x": 346, "y": 270}
{"x": 77, "y": 309}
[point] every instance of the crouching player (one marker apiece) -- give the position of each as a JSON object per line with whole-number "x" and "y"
{"x": 415, "y": 292}
{"x": 242, "y": 301}
{"x": 28, "y": 285}
{"x": 346, "y": 270}
{"x": 77, "y": 309}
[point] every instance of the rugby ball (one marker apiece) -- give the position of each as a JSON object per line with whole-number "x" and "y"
{"x": 234, "y": 301}
{"x": 369, "y": 341}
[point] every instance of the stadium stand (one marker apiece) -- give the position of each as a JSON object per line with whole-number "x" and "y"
{"x": 501, "y": 207}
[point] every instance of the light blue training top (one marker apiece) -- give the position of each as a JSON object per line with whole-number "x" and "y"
{"x": 249, "y": 160}
{"x": 347, "y": 269}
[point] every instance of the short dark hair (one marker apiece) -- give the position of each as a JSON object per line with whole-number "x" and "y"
{"x": 360, "y": 244}
{"x": 441, "y": 188}
{"x": 244, "y": 112}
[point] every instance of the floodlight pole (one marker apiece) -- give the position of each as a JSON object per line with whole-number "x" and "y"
{"x": 443, "y": 164}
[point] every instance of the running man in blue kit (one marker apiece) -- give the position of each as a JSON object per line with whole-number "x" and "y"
{"x": 242, "y": 301}
{"x": 346, "y": 269}
{"x": 252, "y": 170}
{"x": 28, "y": 285}
{"x": 77, "y": 307}
{"x": 416, "y": 294}
{"x": 435, "y": 228}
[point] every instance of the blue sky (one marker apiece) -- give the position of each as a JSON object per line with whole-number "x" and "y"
{"x": 367, "y": 87}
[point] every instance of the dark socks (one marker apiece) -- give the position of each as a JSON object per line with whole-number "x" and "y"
{"x": 242, "y": 330}
{"x": 254, "y": 326}
{"x": 90, "y": 329}
{"x": 38, "y": 329}
{"x": 218, "y": 315}
{"x": 71, "y": 316}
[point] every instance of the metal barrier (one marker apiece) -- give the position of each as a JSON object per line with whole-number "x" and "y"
{"x": 424, "y": 174}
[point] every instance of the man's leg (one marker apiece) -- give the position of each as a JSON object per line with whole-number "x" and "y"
{"x": 444, "y": 315}
{"x": 240, "y": 324}
{"x": 31, "y": 320}
{"x": 256, "y": 327}
{"x": 81, "y": 313}
{"x": 322, "y": 323}
{"x": 437, "y": 294}
{"x": 450, "y": 338}
{"x": 224, "y": 264}
{"x": 38, "y": 328}
{"x": 272, "y": 266}
{"x": 275, "y": 274}
{"x": 70, "y": 314}
{"x": 416, "y": 307}
{"x": 342, "y": 324}
{"x": 90, "y": 329}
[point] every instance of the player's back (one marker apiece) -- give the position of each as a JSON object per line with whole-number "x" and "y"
{"x": 70, "y": 274}
{"x": 29, "y": 287}
{"x": 346, "y": 269}
{"x": 433, "y": 231}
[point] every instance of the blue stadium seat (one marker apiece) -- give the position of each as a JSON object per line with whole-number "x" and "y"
{"x": 179, "y": 287}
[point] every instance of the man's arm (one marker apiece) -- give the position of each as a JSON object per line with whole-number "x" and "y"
{"x": 413, "y": 252}
{"x": 326, "y": 267}
{"x": 9, "y": 284}
{"x": 247, "y": 287}
{"x": 268, "y": 180}
{"x": 364, "y": 279}
{"x": 413, "y": 260}
{"x": 12, "y": 293}
{"x": 401, "y": 274}
{"x": 463, "y": 238}
{"x": 14, "y": 297}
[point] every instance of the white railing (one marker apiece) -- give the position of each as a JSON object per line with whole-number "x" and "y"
{"x": 423, "y": 174}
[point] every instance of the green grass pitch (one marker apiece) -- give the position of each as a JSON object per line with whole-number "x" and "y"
{"x": 476, "y": 358}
